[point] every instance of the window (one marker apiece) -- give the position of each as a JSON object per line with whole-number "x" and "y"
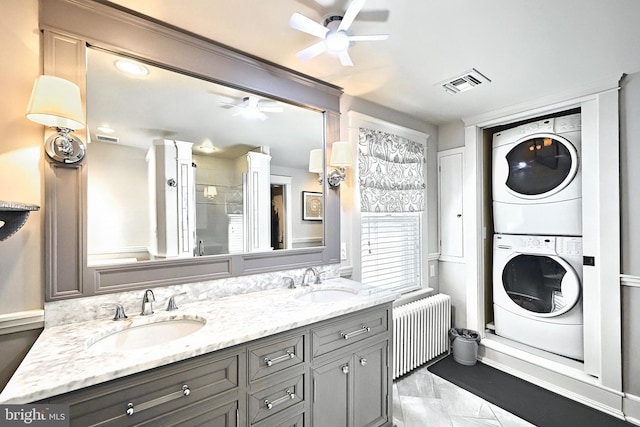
{"x": 391, "y": 186}
{"x": 392, "y": 251}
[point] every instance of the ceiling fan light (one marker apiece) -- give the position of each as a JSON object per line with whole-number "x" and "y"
{"x": 337, "y": 41}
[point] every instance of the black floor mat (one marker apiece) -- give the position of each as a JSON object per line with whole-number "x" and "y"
{"x": 528, "y": 401}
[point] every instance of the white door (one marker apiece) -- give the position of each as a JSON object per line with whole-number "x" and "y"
{"x": 450, "y": 179}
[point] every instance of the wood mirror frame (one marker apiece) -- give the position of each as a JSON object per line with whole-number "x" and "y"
{"x": 68, "y": 27}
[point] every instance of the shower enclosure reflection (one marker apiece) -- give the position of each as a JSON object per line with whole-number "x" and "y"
{"x": 183, "y": 167}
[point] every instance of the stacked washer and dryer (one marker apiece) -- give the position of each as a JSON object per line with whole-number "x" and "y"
{"x": 537, "y": 249}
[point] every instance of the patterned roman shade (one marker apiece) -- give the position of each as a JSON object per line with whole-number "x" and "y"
{"x": 391, "y": 172}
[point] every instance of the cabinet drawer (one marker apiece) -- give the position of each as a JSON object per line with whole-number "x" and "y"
{"x": 276, "y": 398}
{"x": 152, "y": 393}
{"x": 285, "y": 419}
{"x": 274, "y": 356}
{"x": 348, "y": 330}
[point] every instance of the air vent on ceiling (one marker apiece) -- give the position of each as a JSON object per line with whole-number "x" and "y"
{"x": 110, "y": 139}
{"x": 464, "y": 82}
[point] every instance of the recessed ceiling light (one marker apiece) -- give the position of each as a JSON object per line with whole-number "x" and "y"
{"x": 132, "y": 68}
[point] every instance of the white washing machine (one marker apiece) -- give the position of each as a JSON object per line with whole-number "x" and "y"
{"x": 537, "y": 292}
{"x": 537, "y": 185}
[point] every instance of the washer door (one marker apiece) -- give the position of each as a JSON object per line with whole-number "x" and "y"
{"x": 541, "y": 165}
{"x": 541, "y": 285}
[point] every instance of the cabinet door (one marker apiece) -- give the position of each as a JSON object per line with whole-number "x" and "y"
{"x": 331, "y": 393}
{"x": 370, "y": 390}
{"x": 450, "y": 180}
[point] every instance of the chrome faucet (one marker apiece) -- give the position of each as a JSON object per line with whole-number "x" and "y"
{"x": 147, "y": 303}
{"x": 305, "y": 277}
{"x": 120, "y": 314}
{"x": 171, "y": 305}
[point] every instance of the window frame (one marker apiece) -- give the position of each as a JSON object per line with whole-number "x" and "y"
{"x": 351, "y": 216}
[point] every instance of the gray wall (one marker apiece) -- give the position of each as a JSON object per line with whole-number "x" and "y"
{"x": 630, "y": 173}
{"x": 630, "y": 228}
{"x": 451, "y": 135}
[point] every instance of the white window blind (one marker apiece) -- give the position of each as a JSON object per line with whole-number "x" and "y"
{"x": 392, "y": 250}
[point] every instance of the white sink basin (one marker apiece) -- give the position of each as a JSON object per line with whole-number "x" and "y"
{"x": 146, "y": 335}
{"x": 328, "y": 295}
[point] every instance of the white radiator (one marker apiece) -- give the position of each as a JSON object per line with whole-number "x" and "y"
{"x": 420, "y": 332}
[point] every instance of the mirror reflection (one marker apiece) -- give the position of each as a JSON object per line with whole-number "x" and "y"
{"x": 182, "y": 167}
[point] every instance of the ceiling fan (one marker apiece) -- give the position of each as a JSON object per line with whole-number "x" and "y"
{"x": 333, "y": 33}
{"x": 253, "y": 108}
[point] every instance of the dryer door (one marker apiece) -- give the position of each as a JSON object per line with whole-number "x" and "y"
{"x": 541, "y": 165}
{"x": 541, "y": 285}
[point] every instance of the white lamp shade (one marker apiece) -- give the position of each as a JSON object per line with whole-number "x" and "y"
{"x": 56, "y": 102}
{"x": 316, "y": 161}
{"x": 341, "y": 154}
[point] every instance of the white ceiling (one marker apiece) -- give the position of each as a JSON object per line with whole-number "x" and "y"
{"x": 529, "y": 49}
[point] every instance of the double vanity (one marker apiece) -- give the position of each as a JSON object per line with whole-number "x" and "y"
{"x": 311, "y": 355}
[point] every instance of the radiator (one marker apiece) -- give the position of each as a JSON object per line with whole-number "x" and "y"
{"x": 420, "y": 331}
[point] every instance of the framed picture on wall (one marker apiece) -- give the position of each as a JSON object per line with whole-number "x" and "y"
{"x": 311, "y": 206}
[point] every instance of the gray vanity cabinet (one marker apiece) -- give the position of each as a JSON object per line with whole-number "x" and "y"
{"x": 277, "y": 378}
{"x": 334, "y": 373}
{"x": 350, "y": 380}
{"x": 370, "y": 368}
{"x": 205, "y": 390}
{"x": 331, "y": 391}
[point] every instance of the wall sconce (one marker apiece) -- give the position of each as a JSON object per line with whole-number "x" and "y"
{"x": 316, "y": 163}
{"x": 340, "y": 158}
{"x": 210, "y": 191}
{"x": 56, "y": 102}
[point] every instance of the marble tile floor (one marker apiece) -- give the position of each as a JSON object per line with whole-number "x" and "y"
{"x": 421, "y": 399}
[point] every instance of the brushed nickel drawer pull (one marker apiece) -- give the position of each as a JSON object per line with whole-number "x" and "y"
{"x": 362, "y": 330}
{"x": 271, "y": 362}
{"x": 132, "y": 409}
{"x": 290, "y": 395}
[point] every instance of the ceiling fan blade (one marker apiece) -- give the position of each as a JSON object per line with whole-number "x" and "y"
{"x": 368, "y": 38}
{"x": 307, "y": 25}
{"x": 350, "y": 14}
{"x": 345, "y": 59}
{"x": 311, "y": 51}
{"x": 271, "y": 109}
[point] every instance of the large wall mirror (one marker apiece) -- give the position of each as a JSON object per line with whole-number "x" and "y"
{"x": 146, "y": 123}
{"x": 195, "y": 171}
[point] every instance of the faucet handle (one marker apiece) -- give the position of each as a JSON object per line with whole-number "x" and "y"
{"x": 171, "y": 305}
{"x": 289, "y": 282}
{"x": 149, "y": 296}
{"x": 120, "y": 314}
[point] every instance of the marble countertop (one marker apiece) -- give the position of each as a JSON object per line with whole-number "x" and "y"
{"x": 61, "y": 359}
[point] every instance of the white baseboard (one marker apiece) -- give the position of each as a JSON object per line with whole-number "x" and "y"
{"x": 21, "y": 321}
{"x": 631, "y": 408}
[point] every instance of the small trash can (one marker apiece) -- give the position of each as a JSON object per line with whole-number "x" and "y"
{"x": 464, "y": 344}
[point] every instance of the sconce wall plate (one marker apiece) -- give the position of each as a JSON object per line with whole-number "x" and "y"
{"x": 336, "y": 176}
{"x": 63, "y": 147}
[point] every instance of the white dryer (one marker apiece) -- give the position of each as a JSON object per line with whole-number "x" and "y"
{"x": 537, "y": 185}
{"x": 537, "y": 292}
